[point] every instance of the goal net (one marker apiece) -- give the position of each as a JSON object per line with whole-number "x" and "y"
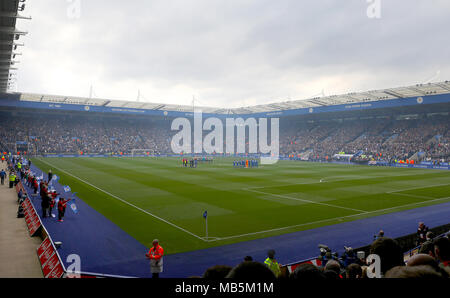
{"x": 141, "y": 152}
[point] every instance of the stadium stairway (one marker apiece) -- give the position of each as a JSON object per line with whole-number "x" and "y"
{"x": 18, "y": 258}
{"x": 106, "y": 249}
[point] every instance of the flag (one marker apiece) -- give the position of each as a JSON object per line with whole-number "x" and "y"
{"x": 205, "y": 214}
{"x": 73, "y": 206}
{"x": 66, "y": 188}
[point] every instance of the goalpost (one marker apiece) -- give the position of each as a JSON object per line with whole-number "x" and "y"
{"x": 142, "y": 152}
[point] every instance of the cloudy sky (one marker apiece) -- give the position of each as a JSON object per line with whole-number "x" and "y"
{"x": 231, "y": 53}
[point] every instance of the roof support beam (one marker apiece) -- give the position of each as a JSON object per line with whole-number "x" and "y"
{"x": 158, "y": 107}
{"x": 393, "y": 93}
{"x": 13, "y": 15}
{"x": 12, "y": 30}
{"x": 10, "y": 43}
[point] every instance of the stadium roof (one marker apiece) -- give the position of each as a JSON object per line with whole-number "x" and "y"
{"x": 9, "y": 13}
{"x": 349, "y": 98}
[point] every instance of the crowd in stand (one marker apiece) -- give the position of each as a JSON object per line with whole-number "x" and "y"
{"x": 431, "y": 262}
{"x": 423, "y": 139}
{"x": 46, "y": 135}
{"x": 374, "y": 139}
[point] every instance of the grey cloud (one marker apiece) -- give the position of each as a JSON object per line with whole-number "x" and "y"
{"x": 234, "y": 52}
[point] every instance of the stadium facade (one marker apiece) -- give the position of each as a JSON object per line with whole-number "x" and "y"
{"x": 421, "y": 94}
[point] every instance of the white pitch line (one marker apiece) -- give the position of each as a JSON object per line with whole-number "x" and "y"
{"x": 413, "y": 188}
{"x": 411, "y": 196}
{"x": 325, "y": 220}
{"x": 125, "y": 202}
{"x": 322, "y": 180}
{"x": 306, "y": 201}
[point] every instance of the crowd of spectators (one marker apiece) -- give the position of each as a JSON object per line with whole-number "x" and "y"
{"x": 370, "y": 139}
{"x": 387, "y": 139}
{"x": 432, "y": 262}
{"x": 74, "y": 135}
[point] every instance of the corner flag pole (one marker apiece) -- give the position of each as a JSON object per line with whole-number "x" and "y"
{"x": 205, "y": 215}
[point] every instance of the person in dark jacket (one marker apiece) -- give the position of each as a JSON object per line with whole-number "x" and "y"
{"x": 45, "y": 204}
{"x": 2, "y": 176}
{"x": 422, "y": 231}
{"x": 50, "y": 175}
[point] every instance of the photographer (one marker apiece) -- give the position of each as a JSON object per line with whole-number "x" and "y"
{"x": 349, "y": 257}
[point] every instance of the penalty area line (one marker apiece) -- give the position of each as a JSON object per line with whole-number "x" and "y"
{"x": 126, "y": 202}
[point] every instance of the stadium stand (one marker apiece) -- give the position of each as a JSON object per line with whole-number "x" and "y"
{"x": 365, "y": 139}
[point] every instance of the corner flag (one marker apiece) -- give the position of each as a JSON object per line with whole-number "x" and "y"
{"x": 205, "y": 214}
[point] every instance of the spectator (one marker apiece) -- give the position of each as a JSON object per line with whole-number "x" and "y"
{"x": 251, "y": 271}
{"x": 427, "y": 248}
{"x": 422, "y": 259}
{"x": 422, "y": 231}
{"x": 442, "y": 251}
{"x": 331, "y": 275}
{"x": 364, "y": 271}
{"x": 333, "y": 265}
{"x": 217, "y": 272}
{"x": 380, "y": 235}
{"x": 45, "y": 204}
{"x": 307, "y": 272}
{"x": 272, "y": 264}
{"x": 53, "y": 197}
{"x": 353, "y": 271}
{"x": 429, "y": 236}
{"x": 2, "y": 176}
{"x": 389, "y": 251}
{"x": 62, "y": 204}
{"x": 50, "y": 175}
{"x": 421, "y": 271}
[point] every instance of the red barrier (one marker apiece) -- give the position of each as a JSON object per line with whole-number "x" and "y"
{"x": 316, "y": 262}
{"x": 48, "y": 257}
{"x": 31, "y": 218}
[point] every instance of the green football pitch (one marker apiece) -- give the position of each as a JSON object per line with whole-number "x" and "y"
{"x": 158, "y": 198}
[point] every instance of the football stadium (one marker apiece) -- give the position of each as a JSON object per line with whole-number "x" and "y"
{"x": 321, "y": 187}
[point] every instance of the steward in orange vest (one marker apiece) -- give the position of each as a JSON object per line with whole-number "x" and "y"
{"x": 155, "y": 254}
